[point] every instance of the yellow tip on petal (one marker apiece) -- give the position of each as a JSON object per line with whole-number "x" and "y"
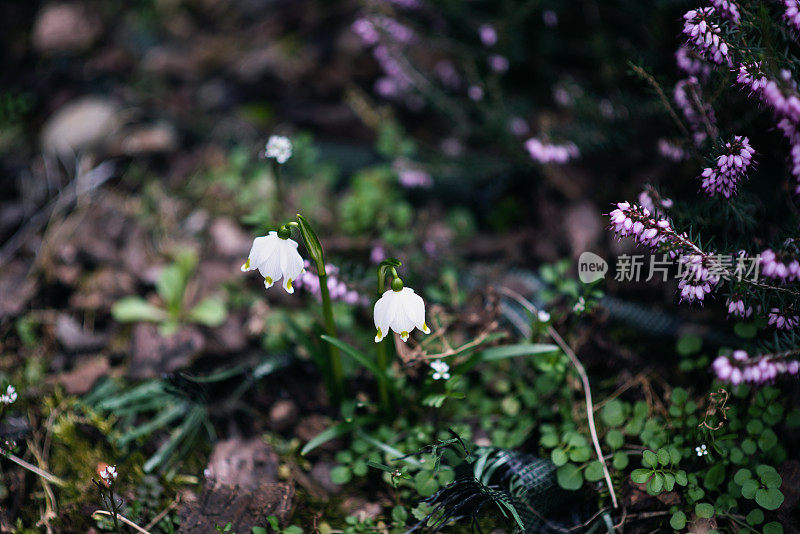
{"x": 268, "y": 282}
{"x": 378, "y": 336}
{"x": 288, "y": 286}
{"x": 246, "y": 265}
{"x": 404, "y": 335}
{"x": 425, "y": 328}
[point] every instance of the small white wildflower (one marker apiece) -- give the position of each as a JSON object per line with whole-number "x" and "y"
{"x": 441, "y": 371}
{"x": 580, "y": 306}
{"x": 701, "y": 450}
{"x": 401, "y": 311}
{"x": 109, "y": 474}
{"x": 279, "y": 148}
{"x": 275, "y": 258}
{"x": 9, "y": 397}
{"x": 543, "y": 316}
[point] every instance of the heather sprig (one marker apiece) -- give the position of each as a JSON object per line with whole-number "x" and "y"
{"x": 730, "y": 168}
{"x": 741, "y": 367}
{"x": 703, "y": 31}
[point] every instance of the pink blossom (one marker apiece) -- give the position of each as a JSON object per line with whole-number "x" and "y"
{"x": 551, "y": 153}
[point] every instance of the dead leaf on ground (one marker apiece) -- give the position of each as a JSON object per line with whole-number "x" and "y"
{"x": 154, "y": 354}
{"x": 84, "y": 376}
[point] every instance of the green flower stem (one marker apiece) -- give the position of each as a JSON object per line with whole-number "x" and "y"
{"x": 383, "y": 358}
{"x": 337, "y": 372}
{"x": 279, "y": 193}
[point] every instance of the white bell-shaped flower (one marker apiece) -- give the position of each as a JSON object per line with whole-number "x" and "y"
{"x": 275, "y": 258}
{"x": 400, "y": 311}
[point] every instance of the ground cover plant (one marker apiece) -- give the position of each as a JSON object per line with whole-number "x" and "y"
{"x": 400, "y": 266}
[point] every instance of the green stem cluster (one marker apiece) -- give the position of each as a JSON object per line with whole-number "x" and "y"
{"x": 336, "y": 385}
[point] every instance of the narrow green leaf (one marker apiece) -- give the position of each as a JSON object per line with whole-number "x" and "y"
{"x": 512, "y": 351}
{"x": 358, "y": 356}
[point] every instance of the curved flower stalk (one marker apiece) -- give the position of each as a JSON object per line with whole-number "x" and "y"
{"x": 398, "y": 309}
{"x": 551, "y": 153}
{"x": 276, "y": 258}
{"x": 730, "y": 169}
{"x": 706, "y": 36}
{"x": 698, "y": 114}
{"x": 741, "y": 367}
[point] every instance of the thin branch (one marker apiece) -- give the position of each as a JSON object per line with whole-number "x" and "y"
{"x": 33, "y": 469}
{"x": 123, "y": 519}
{"x": 586, "y": 388}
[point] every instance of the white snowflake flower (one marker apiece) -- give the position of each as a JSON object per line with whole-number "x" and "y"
{"x": 400, "y": 311}
{"x": 109, "y": 474}
{"x": 275, "y": 258}
{"x": 701, "y": 450}
{"x": 279, "y": 148}
{"x": 9, "y": 397}
{"x": 543, "y": 316}
{"x": 441, "y": 371}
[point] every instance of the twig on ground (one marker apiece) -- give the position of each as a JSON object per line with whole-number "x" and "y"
{"x": 122, "y": 518}
{"x": 35, "y": 470}
{"x": 584, "y": 380}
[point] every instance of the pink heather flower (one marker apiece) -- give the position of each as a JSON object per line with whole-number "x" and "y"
{"x": 758, "y": 369}
{"x": 671, "y": 151}
{"x": 727, "y": 10}
{"x": 336, "y": 287}
{"x": 488, "y": 35}
{"x": 447, "y": 73}
{"x": 737, "y": 308}
{"x": 634, "y": 221}
{"x": 411, "y": 176}
{"x": 377, "y": 254}
{"x": 697, "y": 281}
{"x": 387, "y": 87}
{"x": 699, "y": 114}
{"x": 706, "y": 35}
{"x": 551, "y": 153}
{"x": 365, "y": 29}
{"x": 791, "y": 133}
{"x": 550, "y": 18}
{"x": 782, "y": 321}
{"x": 690, "y": 63}
{"x": 785, "y": 271}
{"x": 518, "y": 126}
{"x": 475, "y": 92}
{"x": 751, "y": 76}
{"x": 654, "y": 205}
{"x": 792, "y": 13}
{"x": 731, "y": 168}
{"x": 498, "y": 63}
